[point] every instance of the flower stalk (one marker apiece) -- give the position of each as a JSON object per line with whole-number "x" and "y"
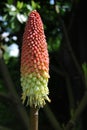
{"x": 34, "y": 67}
{"x": 34, "y": 118}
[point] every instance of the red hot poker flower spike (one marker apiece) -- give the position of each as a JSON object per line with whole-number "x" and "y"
{"x": 34, "y": 62}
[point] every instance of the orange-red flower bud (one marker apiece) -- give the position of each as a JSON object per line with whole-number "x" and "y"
{"x": 34, "y": 62}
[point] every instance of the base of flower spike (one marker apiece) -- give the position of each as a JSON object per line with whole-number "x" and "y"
{"x": 35, "y": 89}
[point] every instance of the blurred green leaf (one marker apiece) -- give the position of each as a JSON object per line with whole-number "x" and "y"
{"x": 10, "y": 7}
{"x": 10, "y": 2}
{"x": 35, "y": 5}
{"x": 84, "y": 67}
{"x": 29, "y": 7}
{"x": 19, "y": 5}
{"x": 12, "y": 13}
{"x": 21, "y": 18}
{"x": 6, "y": 57}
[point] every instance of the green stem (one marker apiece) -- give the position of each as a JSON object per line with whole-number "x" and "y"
{"x": 68, "y": 43}
{"x": 13, "y": 94}
{"x": 71, "y": 50}
{"x": 77, "y": 113}
{"x": 52, "y": 118}
{"x": 34, "y": 118}
{"x": 70, "y": 94}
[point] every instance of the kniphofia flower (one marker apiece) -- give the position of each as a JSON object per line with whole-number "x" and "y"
{"x": 34, "y": 63}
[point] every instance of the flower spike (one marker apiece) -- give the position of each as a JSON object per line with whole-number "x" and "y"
{"x": 34, "y": 63}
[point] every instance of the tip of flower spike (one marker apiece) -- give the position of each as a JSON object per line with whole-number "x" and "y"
{"x": 32, "y": 13}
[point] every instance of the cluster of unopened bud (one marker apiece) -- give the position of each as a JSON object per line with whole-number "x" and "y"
{"x": 34, "y": 63}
